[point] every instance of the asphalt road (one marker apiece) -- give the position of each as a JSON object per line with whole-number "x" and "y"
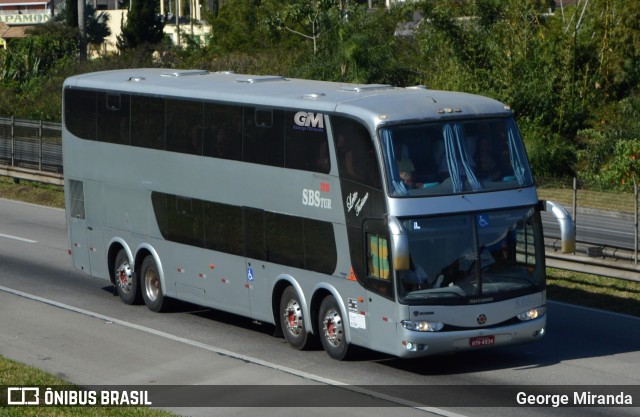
{"x": 58, "y": 319}
{"x": 603, "y": 228}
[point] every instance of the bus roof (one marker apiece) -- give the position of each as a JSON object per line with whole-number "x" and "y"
{"x": 380, "y": 103}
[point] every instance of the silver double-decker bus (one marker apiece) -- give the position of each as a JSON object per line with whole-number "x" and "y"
{"x": 403, "y": 220}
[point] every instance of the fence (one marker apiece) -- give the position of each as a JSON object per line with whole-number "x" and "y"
{"x": 31, "y": 150}
{"x": 574, "y": 193}
{"x": 585, "y": 201}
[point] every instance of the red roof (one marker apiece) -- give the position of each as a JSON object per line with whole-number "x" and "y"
{"x": 24, "y": 2}
{"x": 8, "y": 32}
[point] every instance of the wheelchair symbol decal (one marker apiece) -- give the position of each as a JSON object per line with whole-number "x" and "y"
{"x": 250, "y": 274}
{"x": 482, "y": 221}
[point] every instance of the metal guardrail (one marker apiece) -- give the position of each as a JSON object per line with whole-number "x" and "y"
{"x": 31, "y": 150}
{"x": 610, "y": 268}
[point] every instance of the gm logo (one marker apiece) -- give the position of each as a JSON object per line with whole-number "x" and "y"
{"x": 308, "y": 119}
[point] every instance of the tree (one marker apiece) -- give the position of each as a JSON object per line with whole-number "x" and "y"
{"x": 237, "y": 27}
{"x": 301, "y": 18}
{"x": 97, "y": 26}
{"x": 143, "y": 25}
{"x": 35, "y": 56}
{"x": 97, "y": 23}
{"x": 69, "y": 12}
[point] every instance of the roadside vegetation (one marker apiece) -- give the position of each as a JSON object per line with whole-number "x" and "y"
{"x": 32, "y": 192}
{"x": 604, "y": 293}
{"x": 570, "y": 76}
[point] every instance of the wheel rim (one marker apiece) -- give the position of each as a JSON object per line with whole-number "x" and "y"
{"x": 151, "y": 284}
{"x": 293, "y": 317}
{"x": 332, "y": 327}
{"x": 124, "y": 277}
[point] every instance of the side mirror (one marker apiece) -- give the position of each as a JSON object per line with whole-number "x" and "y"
{"x": 399, "y": 245}
{"x": 567, "y": 227}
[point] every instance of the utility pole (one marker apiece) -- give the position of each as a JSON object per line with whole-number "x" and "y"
{"x": 83, "y": 30}
{"x": 178, "y": 23}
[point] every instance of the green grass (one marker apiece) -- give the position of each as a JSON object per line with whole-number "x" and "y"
{"x": 617, "y": 295}
{"x": 16, "y": 374}
{"x": 32, "y": 192}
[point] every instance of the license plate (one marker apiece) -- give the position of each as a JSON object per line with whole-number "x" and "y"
{"x": 482, "y": 341}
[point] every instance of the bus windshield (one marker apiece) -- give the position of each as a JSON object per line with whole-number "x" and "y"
{"x": 454, "y": 157}
{"x": 473, "y": 258}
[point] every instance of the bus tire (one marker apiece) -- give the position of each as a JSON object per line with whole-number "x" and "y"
{"x": 331, "y": 329}
{"x": 125, "y": 280}
{"x": 292, "y": 320}
{"x": 151, "y": 286}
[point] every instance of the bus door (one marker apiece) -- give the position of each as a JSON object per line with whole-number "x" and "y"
{"x": 84, "y": 227}
{"x": 379, "y": 283}
{"x": 257, "y": 270}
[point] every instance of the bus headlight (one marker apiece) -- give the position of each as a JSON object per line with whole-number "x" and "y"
{"x": 422, "y": 326}
{"x": 532, "y": 314}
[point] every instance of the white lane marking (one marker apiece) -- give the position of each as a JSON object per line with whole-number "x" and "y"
{"x": 250, "y": 359}
{"x": 21, "y": 239}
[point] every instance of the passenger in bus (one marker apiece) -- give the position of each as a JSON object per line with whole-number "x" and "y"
{"x": 415, "y": 278}
{"x": 345, "y": 156}
{"x": 322, "y": 162}
{"x": 406, "y": 168}
{"x": 223, "y": 145}
{"x": 461, "y": 160}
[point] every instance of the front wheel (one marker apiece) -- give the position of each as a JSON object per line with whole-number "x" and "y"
{"x": 331, "y": 325}
{"x": 125, "y": 281}
{"x": 151, "y": 286}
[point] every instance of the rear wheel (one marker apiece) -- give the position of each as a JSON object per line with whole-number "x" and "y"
{"x": 331, "y": 329}
{"x": 125, "y": 280}
{"x": 151, "y": 286}
{"x": 292, "y": 320}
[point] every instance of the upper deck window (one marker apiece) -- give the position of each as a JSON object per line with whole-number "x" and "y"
{"x": 454, "y": 157}
{"x": 356, "y": 155}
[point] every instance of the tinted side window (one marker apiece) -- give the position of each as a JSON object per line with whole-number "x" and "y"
{"x": 320, "y": 253}
{"x": 356, "y": 156}
{"x": 147, "y": 122}
{"x": 76, "y": 199}
{"x": 291, "y": 240}
{"x": 306, "y": 142}
{"x": 284, "y": 239}
{"x": 185, "y": 220}
{"x": 80, "y": 112}
{"x": 223, "y": 228}
{"x": 159, "y": 201}
{"x": 223, "y": 131}
{"x": 113, "y": 118}
{"x": 254, "y": 233}
{"x": 263, "y": 136}
{"x": 184, "y": 126}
